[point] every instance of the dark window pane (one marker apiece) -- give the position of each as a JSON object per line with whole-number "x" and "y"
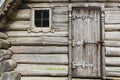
{"x": 38, "y": 23}
{"x": 38, "y": 14}
{"x": 45, "y": 23}
{"x": 46, "y": 14}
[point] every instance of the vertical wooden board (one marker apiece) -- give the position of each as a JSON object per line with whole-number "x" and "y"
{"x": 41, "y": 59}
{"x": 86, "y": 29}
{"x": 42, "y": 70}
{"x": 112, "y": 17}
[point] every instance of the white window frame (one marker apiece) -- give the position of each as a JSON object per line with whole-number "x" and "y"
{"x": 34, "y": 28}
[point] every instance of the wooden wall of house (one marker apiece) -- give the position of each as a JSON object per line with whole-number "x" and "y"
{"x": 44, "y": 55}
{"x": 40, "y": 53}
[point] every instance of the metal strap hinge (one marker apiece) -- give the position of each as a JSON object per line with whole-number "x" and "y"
{"x": 74, "y": 65}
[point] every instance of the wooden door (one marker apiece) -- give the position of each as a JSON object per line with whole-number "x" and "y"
{"x": 86, "y": 39}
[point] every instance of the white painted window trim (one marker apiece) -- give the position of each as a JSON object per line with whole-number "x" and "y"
{"x": 38, "y": 29}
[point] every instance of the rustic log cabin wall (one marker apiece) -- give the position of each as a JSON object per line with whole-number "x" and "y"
{"x": 47, "y": 55}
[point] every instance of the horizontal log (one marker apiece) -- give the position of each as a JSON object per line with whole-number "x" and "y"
{"x": 36, "y": 41}
{"x": 38, "y": 58}
{"x": 38, "y": 49}
{"x": 18, "y": 25}
{"x": 112, "y": 36}
{"x": 45, "y": 0}
{"x": 27, "y": 34}
{"x": 112, "y": 27}
{"x": 60, "y": 26}
{"x": 60, "y": 18}
{"x": 112, "y": 16}
{"x": 43, "y": 78}
{"x": 112, "y": 61}
{"x": 84, "y": 79}
{"x": 112, "y": 71}
{"x": 3, "y": 35}
{"x": 113, "y": 51}
{"x": 23, "y": 14}
{"x": 5, "y": 54}
{"x": 60, "y": 10}
{"x": 42, "y": 70}
{"x": 112, "y": 43}
{"x": 4, "y": 44}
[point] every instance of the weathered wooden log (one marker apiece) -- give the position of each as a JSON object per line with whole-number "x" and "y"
{"x": 112, "y": 43}
{"x": 12, "y": 75}
{"x": 84, "y": 79}
{"x": 38, "y": 49}
{"x": 112, "y": 36}
{"x": 60, "y": 26}
{"x": 43, "y": 78}
{"x": 39, "y": 70}
{"x": 23, "y": 14}
{"x": 112, "y": 27}
{"x": 5, "y": 54}
{"x": 38, "y": 58}
{"x": 112, "y": 16}
{"x": 18, "y": 25}
{"x": 4, "y": 44}
{"x": 3, "y": 35}
{"x": 7, "y": 65}
{"x": 36, "y": 41}
{"x": 27, "y": 34}
{"x": 113, "y": 51}
{"x": 112, "y": 61}
{"x": 60, "y": 18}
{"x": 45, "y": 0}
{"x": 60, "y": 10}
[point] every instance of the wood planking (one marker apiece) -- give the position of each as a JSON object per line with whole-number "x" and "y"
{"x": 40, "y": 34}
{"x": 42, "y": 70}
{"x": 112, "y": 17}
{"x": 18, "y": 26}
{"x": 39, "y": 49}
{"x": 41, "y": 58}
{"x": 113, "y": 71}
{"x": 60, "y": 18}
{"x": 112, "y": 27}
{"x": 45, "y": 0}
{"x": 113, "y": 36}
{"x": 21, "y": 15}
{"x": 38, "y": 41}
{"x": 113, "y": 61}
{"x": 43, "y": 78}
{"x": 111, "y": 43}
{"x": 113, "y": 51}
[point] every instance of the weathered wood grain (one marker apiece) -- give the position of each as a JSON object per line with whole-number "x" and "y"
{"x": 60, "y": 10}
{"x": 60, "y": 26}
{"x": 5, "y": 54}
{"x": 18, "y": 25}
{"x": 40, "y": 58}
{"x": 36, "y": 41}
{"x": 32, "y": 34}
{"x": 3, "y": 35}
{"x": 42, "y": 70}
{"x": 112, "y": 36}
{"x": 112, "y": 71}
{"x": 44, "y": 0}
{"x": 112, "y": 43}
{"x": 112, "y": 27}
{"x": 112, "y": 61}
{"x": 112, "y": 51}
{"x": 112, "y": 17}
{"x": 60, "y": 18}
{"x": 43, "y": 78}
{"x": 39, "y": 49}
{"x": 4, "y": 44}
{"x": 22, "y": 14}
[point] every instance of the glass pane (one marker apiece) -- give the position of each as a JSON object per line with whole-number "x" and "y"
{"x": 45, "y": 23}
{"x": 38, "y": 14}
{"x": 46, "y": 14}
{"x": 38, "y": 23}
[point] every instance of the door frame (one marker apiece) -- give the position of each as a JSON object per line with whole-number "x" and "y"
{"x": 102, "y": 30}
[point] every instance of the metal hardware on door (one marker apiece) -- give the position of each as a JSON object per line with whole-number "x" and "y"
{"x": 82, "y": 65}
{"x": 77, "y": 43}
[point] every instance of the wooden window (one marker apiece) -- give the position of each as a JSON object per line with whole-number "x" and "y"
{"x": 41, "y": 18}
